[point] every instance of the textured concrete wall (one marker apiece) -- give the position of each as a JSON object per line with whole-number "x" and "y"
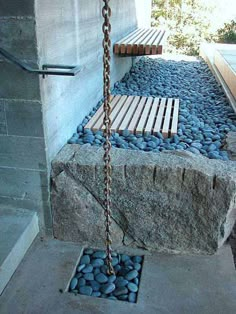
{"x": 69, "y": 32}
{"x": 23, "y": 166}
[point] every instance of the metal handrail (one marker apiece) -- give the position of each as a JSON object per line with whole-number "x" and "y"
{"x": 58, "y": 69}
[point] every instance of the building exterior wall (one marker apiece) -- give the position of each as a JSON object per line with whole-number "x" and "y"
{"x": 38, "y": 116}
{"x": 23, "y": 166}
{"x": 75, "y": 37}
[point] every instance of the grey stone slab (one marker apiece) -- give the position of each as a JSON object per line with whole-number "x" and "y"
{"x": 18, "y": 229}
{"x": 18, "y": 37}
{"x": 3, "y": 129}
{"x": 23, "y": 184}
{"x": 22, "y": 152}
{"x": 42, "y": 207}
{"x": 16, "y": 8}
{"x": 2, "y": 113}
{"x": 27, "y": 188}
{"x": 3, "y": 125}
{"x": 169, "y": 201}
{"x": 24, "y": 118}
{"x": 170, "y": 284}
{"x": 18, "y": 84}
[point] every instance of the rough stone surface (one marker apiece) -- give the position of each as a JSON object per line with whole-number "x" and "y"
{"x": 169, "y": 201}
{"x": 231, "y": 145}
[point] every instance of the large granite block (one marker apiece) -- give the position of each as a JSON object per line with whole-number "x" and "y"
{"x": 170, "y": 201}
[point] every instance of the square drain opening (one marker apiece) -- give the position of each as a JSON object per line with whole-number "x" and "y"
{"x": 91, "y": 278}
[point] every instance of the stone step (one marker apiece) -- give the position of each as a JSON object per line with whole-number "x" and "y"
{"x": 18, "y": 229}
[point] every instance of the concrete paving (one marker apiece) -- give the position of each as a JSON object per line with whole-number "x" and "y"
{"x": 18, "y": 229}
{"x": 169, "y": 284}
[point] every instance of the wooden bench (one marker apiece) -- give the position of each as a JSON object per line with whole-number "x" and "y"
{"x": 139, "y": 115}
{"x": 141, "y": 42}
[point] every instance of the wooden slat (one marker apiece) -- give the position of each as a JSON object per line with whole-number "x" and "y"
{"x": 175, "y": 118}
{"x": 117, "y": 109}
{"x": 142, "y": 46}
{"x": 119, "y": 47}
{"x": 150, "y": 42}
{"x": 137, "y": 114}
{"x": 133, "y": 38}
{"x": 129, "y": 45}
{"x": 118, "y": 120}
{"x": 129, "y": 36}
{"x": 144, "y": 116}
{"x": 166, "y": 125}
{"x": 159, "y": 119}
{"x": 125, "y": 123}
{"x": 157, "y": 42}
{"x": 152, "y": 116}
{"x": 95, "y": 118}
{"x": 97, "y": 126}
{"x": 139, "y": 41}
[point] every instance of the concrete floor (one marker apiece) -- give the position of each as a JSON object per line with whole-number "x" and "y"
{"x": 169, "y": 284}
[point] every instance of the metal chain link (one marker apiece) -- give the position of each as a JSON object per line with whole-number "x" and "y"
{"x": 106, "y": 13}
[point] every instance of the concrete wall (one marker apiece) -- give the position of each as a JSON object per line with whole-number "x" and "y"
{"x": 75, "y": 37}
{"x": 38, "y": 116}
{"x": 23, "y": 167}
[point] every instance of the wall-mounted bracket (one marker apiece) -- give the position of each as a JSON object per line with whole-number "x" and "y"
{"x": 47, "y": 69}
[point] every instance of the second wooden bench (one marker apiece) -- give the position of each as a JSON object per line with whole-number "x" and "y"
{"x": 141, "y": 42}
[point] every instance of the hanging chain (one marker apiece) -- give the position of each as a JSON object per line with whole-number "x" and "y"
{"x": 106, "y": 13}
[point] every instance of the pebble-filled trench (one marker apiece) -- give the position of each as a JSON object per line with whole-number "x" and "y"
{"x": 91, "y": 277}
{"x": 205, "y": 114}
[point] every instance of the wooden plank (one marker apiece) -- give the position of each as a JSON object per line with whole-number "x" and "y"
{"x": 157, "y": 42}
{"x": 129, "y": 46}
{"x": 129, "y": 36}
{"x": 116, "y": 47}
{"x": 150, "y": 42}
{"x": 152, "y": 116}
{"x": 119, "y": 118}
{"x": 140, "y": 40}
{"x": 144, "y": 116}
{"x": 117, "y": 109}
{"x": 166, "y": 125}
{"x": 125, "y": 123}
{"x": 97, "y": 126}
{"x": 122, "y": 43}
{"x": 175, "y": 118}
{"x": 96, "y": 117}
{"x": 134, "y": 121}
{"x": 144, "y": 43}
{"x": 159, "y": 119}
{"x": 162, "y": 42}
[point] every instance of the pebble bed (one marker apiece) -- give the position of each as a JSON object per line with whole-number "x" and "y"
{"x": 205, "y": 114}
{"x": 91, "y": 277}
